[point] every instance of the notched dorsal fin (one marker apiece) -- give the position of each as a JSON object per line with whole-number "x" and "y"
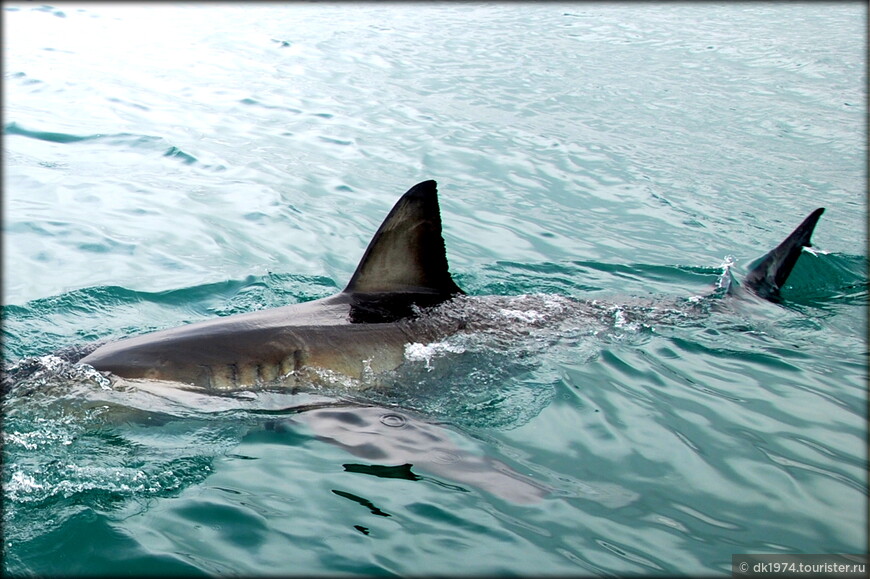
{"x": 769, "y": 273}
{"x": 407, "y": 253}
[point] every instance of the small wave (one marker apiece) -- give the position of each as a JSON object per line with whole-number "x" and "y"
{"x": 177, "y": 153}
{"x": 16, "y": 129}
{"x": 126, "y": 140}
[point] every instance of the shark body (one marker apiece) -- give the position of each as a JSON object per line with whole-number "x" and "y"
{"x": 363, "y": 328}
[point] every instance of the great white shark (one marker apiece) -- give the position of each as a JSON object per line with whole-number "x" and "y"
{"x": 362, "y": 329}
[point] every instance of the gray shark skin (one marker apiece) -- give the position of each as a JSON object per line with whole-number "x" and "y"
{"x": 362, "y": 329}
{"x": 359, "y": 331}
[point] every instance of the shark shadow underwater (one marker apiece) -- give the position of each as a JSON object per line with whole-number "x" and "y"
{"x": 361, "y": 330}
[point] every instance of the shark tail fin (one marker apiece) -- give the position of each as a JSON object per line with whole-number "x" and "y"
{"x": 407, "y": 254}
{"x": 769, "y": 273}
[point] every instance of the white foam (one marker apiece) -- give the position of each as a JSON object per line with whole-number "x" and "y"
{"x": 22, "y": 482}
{"x": 417, "y": 352}
{"x": 528, "y": 317}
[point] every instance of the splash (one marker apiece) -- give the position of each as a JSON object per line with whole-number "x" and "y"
{"x": 426, "y": 353}
{"x": 43, "y": 372}
{"x": 726, "y": 279}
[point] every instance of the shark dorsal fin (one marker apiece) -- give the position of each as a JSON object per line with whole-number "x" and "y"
{"x": 407, "y": 253}
{"x": 769, "y": 273}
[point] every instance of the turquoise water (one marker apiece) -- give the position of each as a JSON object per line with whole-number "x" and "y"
{"x": 168, "y": 164}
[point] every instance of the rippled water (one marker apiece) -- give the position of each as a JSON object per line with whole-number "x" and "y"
{"x": 598, "y": 165}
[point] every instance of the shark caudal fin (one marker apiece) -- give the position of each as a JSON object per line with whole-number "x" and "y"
{"x": 769, "y": 273}
{"x": 407, "y": 254}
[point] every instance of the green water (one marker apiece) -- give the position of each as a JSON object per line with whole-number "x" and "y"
{"x": 169, "y": 164}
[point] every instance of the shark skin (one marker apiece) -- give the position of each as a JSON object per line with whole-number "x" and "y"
{"x": 359, "y": 331}
{"x": 364, "y": 328}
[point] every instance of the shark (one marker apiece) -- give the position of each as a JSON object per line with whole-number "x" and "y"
{"x": 363, "y": 329}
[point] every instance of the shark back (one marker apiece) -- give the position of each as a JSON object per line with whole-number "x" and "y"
{"x": 769, "y": 273}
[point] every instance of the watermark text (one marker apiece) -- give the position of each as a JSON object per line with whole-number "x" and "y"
{"x": 804, "y": 566}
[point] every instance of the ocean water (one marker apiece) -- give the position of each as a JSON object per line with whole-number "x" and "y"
{"x": 600, "y": 167}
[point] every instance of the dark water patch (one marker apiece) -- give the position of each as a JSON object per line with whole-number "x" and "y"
{"x": 402, "y": 471}
{"x": 256, "y": 216}
{"x": 758, "y": 358}
{"x": 827, "y": 279}
{"x": 16, "y": 129}
{"x": 362, "y": 501}
{"x": 108, "y": 246}
{"x": 177, "y": 153}
{"x": 334, "y": 141}
{"x": 123, "y": 139}
{"x": 78, "y": 547}
{"x": 430, "y": 513}
{"x": 53, "y": 228}
{"x": 254, "y": 102}
{"x": 81, "y": 301}
{"x": 235, "y": 525}
{"x": 128, "y": 103}
{"x": 136, "y": 141}
{"x": 24, "y": 78}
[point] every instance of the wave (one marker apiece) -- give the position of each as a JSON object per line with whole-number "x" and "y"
{"x": 122, "y": 140}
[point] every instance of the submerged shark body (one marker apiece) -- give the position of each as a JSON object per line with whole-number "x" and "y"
{"x": 390, "y": 442}
{"x": 363, "y": 329}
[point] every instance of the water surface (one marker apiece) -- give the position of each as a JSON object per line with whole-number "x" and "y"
{"x": 168, "y": 164}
